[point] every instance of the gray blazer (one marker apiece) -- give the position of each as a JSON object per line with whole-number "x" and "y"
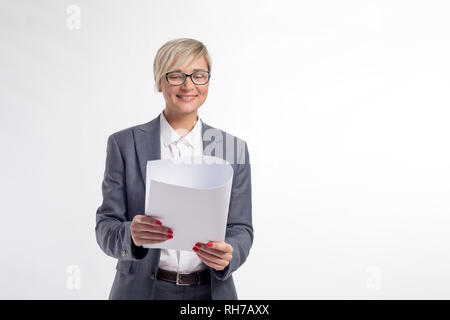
{"x": 123, "y": 190}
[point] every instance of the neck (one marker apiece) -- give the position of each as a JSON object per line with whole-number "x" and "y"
{"x": 181, "y": 122}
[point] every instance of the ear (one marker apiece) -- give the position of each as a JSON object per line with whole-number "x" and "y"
{"x": 158, "y": 86}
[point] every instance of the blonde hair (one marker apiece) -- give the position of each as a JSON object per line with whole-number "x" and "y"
{"x": 175, "y": 53}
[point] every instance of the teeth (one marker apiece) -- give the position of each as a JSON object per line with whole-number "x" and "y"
{"x": 187, "y": 97}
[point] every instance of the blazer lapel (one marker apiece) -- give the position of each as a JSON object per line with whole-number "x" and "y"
{"x": 148, "y": 144}
{"x": 205, "y": 142}
{"x": 213, "y": 142}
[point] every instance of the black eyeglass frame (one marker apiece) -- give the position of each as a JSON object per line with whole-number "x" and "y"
{"x": 187, "y": 75}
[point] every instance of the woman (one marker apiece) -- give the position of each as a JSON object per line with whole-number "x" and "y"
{"x": 182, "y": 72}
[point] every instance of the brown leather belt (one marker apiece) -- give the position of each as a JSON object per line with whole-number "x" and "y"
{"x": 184, "y": 279}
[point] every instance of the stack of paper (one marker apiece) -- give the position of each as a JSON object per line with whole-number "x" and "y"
{"x": 191, "y": 196}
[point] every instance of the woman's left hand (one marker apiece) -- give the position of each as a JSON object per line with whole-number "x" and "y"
{"x": 215, "y": 254}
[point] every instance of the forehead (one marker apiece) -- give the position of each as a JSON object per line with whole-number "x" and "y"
{"x": 192, "y": 65}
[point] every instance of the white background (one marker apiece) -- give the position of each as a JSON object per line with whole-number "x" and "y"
{"x": 343, "y": 104}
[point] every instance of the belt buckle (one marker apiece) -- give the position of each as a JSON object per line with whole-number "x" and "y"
{"x": 178, "y": 281}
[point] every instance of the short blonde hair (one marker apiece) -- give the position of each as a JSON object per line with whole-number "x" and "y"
{"x": 175, "y": 53}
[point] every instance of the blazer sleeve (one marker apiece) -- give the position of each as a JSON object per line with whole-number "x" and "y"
{"x": 112, "y": 228}
{"x": 239, "y": 232}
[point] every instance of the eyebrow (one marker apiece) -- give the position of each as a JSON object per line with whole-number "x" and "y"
{"x": 178, "y": 70}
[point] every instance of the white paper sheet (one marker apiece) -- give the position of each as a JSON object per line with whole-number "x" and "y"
{"x": 191, "y": 196}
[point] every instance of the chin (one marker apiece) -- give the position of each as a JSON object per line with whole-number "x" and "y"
{"x": 187, "y": 108}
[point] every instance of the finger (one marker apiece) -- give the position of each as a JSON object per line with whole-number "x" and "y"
{"x": 212, "y": 258}
{"x": 148, "y": 228}
{"x": 144, "y": 219}
{"x": 210, "y": 263}
{"x": 219, "y": 254}
{"x": 151, "y": 236}
{"x": 220, "y": 246}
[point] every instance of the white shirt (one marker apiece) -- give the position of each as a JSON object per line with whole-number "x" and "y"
{"x": 173, "y": 146}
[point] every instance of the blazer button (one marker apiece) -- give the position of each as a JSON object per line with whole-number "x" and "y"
{"x": 152, "y": 276}
{"x": 124, "y": 252}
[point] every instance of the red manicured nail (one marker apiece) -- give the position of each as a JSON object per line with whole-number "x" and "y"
{"x": 170, "y": 231}
{"x": 195, "y": 249}
{"x": 198, "y": 245}
{"x": 158, "y": 223}
{"x": 170, "y": 236}
{"x": 209, "y": 244}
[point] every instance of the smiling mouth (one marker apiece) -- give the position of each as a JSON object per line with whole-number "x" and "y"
{"x": 186, "y": 97}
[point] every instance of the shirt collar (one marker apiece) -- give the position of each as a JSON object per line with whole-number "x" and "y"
{"x": 169, "y": 135}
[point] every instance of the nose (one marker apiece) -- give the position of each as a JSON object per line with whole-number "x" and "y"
{"x": 188, "y": 84}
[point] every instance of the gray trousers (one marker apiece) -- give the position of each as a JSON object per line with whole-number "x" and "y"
{"x": 166, "y": 290}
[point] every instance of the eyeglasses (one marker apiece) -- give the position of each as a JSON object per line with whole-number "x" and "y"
{"x": 176, "y": 78}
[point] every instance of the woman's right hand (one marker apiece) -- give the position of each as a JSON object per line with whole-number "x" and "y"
{"x": 148, "y": 230}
